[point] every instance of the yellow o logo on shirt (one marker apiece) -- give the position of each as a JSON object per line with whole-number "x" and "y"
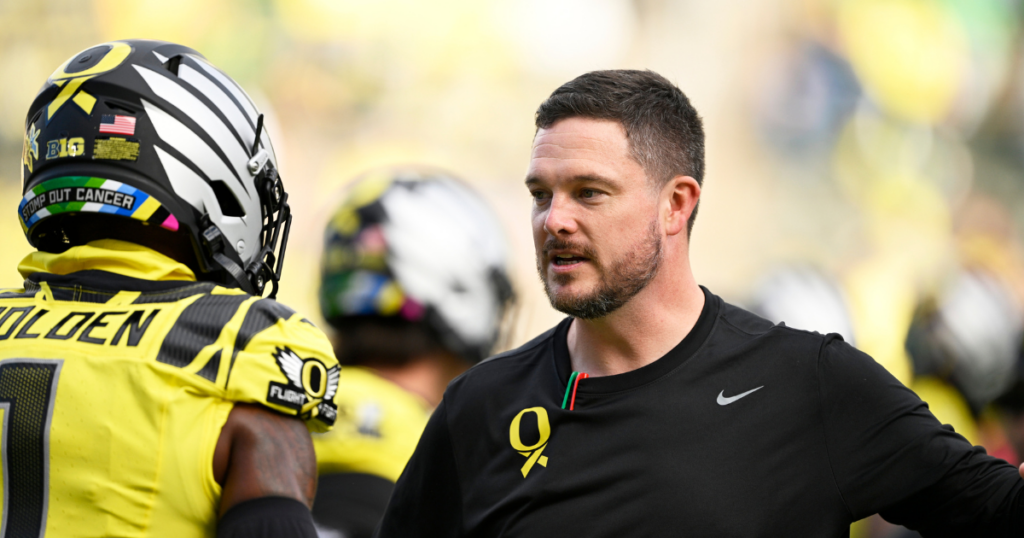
{"x": 542, "y": 426}
{"x": 533, "y": 453}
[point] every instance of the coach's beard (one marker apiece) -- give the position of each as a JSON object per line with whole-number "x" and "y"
{"x": 623, "y": 279}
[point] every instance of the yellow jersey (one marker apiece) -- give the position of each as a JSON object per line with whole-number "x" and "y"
{"x": 117, "y": 373}
{"x": 378, "y": 426}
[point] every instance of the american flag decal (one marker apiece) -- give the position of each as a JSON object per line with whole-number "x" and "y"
{"x": 117, "y": 124}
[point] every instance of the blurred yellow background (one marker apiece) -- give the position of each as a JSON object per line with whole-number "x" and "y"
{"x": 880, "y": 141}
{"x": 870, "y": 138}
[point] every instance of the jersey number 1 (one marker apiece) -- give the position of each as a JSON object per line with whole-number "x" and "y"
{"x": 28, "y": 388}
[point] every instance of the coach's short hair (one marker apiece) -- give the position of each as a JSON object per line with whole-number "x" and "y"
{"x": 665, "y": 133}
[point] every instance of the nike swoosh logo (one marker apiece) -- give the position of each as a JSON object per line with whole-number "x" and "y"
{"x": 722, "y": 400}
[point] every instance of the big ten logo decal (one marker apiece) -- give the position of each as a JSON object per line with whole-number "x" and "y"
{"x": 80, "y": 68}
{"x": 533, "y": 453}
{"x": 65, "y": 147}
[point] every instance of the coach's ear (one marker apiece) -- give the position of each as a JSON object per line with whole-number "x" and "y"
{"x": 680, "y": 196}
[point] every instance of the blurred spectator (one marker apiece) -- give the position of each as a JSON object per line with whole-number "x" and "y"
{"x": 969, "y": 337}
{"x": 804, "y": 297}
{"x": 805, "y": 100}
{"x": 414, "y": 285}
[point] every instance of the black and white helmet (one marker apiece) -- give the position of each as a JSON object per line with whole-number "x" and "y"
{"x": 804, "y": 297}
{"x": 418, "y": 245}
{"x": 151, "y": 131}
{"x": 969, "y": 334}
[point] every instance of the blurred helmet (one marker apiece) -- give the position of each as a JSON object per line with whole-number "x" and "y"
{"x": 970, "y": 335}
{"x": 150, "y": 131}
{"x": 420, "y": 246}
{"x": 805, "y": 298}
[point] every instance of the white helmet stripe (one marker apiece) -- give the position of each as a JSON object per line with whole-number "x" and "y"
{"x": 197, "y": 192}
{"x": 173, "y": 133}
{"x": 242, "y": 98}
{"x": 179, "y": 97}
{"x": 187, "y": 184}
{"x": 239, "y": 94}
{"x": 220, "y": 99}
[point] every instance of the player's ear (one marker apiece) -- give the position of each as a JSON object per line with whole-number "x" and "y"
{"x": 679, "y": 199}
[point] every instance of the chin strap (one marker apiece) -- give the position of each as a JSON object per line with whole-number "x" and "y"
{"x": 215, "y": 244}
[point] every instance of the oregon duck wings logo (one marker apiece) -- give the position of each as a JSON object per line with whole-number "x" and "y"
{"x": 30, "y": 151}
{"x": 533, "y": 453}
{"x": 309, "y": 382}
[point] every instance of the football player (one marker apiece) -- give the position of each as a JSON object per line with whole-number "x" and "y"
{"x": 146, "y": 387}
{"x": 414, "y": 284}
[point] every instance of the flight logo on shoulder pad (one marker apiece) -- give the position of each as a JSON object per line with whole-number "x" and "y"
{"x": 309, "y": 381}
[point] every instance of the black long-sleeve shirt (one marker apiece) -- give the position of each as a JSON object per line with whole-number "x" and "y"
{"x": 686, "y": 446}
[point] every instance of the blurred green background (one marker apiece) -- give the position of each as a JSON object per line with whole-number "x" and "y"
{"x": 880, "y": 140}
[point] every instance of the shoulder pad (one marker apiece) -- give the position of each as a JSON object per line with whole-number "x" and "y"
{"x": 285, "y": 363}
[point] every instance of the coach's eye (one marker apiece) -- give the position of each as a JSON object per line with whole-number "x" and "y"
{"x": 588, "y": 193}
{"x": 539, "y": 196}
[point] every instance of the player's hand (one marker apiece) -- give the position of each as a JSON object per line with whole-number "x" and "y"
{"x": 1021, "y": 470}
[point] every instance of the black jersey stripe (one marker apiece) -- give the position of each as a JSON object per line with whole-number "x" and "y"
{"x": 80, "y": 294}
{"x": 212, "y": 366}
{"x": 171, "y": 296}
{"x": 261, "y": 315}
{"x": 27, "y": 394}
{"x": 17, "y": 295}
{"x": 98, "y": 280}
{"x": 198, "y": 326}
{"x": 30, "y": 290}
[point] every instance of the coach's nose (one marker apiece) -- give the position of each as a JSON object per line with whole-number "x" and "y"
{"x": 560, "y": 217}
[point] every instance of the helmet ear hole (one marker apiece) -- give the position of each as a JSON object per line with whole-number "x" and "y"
{"x": 229, "y": 205}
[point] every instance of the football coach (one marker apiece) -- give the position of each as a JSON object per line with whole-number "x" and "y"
{"x": 657, "y": 409}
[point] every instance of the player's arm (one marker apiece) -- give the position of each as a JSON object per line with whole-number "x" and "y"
{"x": 266, "y": 466}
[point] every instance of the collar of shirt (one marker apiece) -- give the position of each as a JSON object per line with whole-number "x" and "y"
{"x": 110, "y": 256}
{"x": 686, "y": 348}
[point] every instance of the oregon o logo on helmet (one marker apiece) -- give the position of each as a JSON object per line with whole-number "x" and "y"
{"x": 533, "y": 452}
{"x": 113, "y": 56}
